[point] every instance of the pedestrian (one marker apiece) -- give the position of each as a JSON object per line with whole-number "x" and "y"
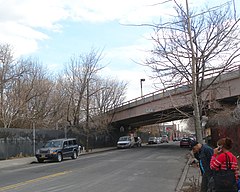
{"x": 225, "y": 166}
{"x": 203, "y": 154}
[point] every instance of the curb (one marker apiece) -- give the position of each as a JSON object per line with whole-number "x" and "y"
{"x": 183, "y": 176}
{"x": 30, "y": 160}
{"x": 16, "y": 162}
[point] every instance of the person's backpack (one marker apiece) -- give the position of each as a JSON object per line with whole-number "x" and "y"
{"x": 224, "y": 180}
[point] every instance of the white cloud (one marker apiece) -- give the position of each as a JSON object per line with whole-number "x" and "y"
{"x": 126, "y": 69}
{"x": 23, "y": 38}
{"x": 31, "y": 16}
{"x": 108, "y": 10}
{"x": 132, "y": 76}
{"x": 22, "y": 21}
{"x": 33, "y": 13}
{"x": 136, "y": 52}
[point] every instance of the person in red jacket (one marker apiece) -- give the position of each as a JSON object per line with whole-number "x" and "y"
{"x": 223, "y": 158}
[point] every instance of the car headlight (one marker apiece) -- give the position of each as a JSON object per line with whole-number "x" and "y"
{"x": 53, "y": 151}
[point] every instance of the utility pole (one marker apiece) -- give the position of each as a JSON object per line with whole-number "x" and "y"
{"x": 34, "y": 138}
{"x": 87, "y": 118}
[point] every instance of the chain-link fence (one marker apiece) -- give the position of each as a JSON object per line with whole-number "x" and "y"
{"x": 20, "y": 142}
{"x": 24, "y": 142}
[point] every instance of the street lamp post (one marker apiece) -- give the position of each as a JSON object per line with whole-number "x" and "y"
{"x": 141, "y": 80}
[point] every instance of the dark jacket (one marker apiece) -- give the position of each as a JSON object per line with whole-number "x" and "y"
{"x": 204, "y": 157}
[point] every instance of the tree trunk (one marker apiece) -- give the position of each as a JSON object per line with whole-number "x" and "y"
{"x": 196, "y": 109}
{"x": 197, "y": 120}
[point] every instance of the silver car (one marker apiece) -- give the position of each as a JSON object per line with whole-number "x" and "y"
{"x": 152, "y": 140}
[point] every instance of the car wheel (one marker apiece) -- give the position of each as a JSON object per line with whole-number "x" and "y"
{"x": 74, "y": 156}
{"x": 40, "y": 160}
{"x": 59, "y": 157}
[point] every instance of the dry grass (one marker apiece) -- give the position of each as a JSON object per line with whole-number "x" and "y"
{"x": 194, "y": 185}
{"x": 20, "y": 155}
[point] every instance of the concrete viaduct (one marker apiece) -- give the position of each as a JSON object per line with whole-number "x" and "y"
{"x": 165, "y": 105}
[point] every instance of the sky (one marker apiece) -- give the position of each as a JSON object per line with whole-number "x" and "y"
{"x": 54, "y": 30}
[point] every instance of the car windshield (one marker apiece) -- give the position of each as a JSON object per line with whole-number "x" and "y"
{"x": 53, "y": 144}
{"x": 123, "y": 138}
{"x": 152, "y": 138}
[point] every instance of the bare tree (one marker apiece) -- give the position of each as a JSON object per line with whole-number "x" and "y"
{"x": 10, "y": 73}
{"x": 58, "y": 104}
{"x": 110, "y": 93}
{"x": 88, "y": 96}
{"x": 24, "y": 89}
{"x": 78, "y": 74}
{"x": 32, "y": 94}
{"x": 75, "y": 83}
{"x": 78, "y": 98}
{"x": 192, "y": 46}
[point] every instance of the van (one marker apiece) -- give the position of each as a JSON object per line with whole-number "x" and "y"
{"x": 125, "y": 142}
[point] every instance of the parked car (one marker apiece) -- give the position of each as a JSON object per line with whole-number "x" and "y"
{"x": 193, "y": 138}
{"x": 164, "y": 139}
{"x": 152, "y": 140}
{"x": 125, "y": 142}
{"x": 138, "y": 141}
{"x": 185, "y": 142}
{"x": 58, "y": 149}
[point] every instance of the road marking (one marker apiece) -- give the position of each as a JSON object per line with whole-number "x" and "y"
{"x": 33, "y": 180}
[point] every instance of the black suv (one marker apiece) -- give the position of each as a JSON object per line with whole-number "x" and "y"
{"x": 58, "y": 149}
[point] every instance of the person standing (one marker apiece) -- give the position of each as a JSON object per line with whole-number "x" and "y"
{"x": 225, "y": 163}
{"x": 203, "y": 153}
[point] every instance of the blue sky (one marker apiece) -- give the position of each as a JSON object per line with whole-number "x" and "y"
{"x": 54, "y": 30}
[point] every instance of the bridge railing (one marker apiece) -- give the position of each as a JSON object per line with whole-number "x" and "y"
{"x": 159, "y": 94}
{"x": 231, "y": 73}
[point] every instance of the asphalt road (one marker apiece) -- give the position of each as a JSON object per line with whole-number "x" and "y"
{"x": 146, "y": 169}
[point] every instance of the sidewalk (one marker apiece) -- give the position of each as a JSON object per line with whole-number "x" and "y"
{"x": 191, "y": 178}
{"x": 29, "y": 160}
